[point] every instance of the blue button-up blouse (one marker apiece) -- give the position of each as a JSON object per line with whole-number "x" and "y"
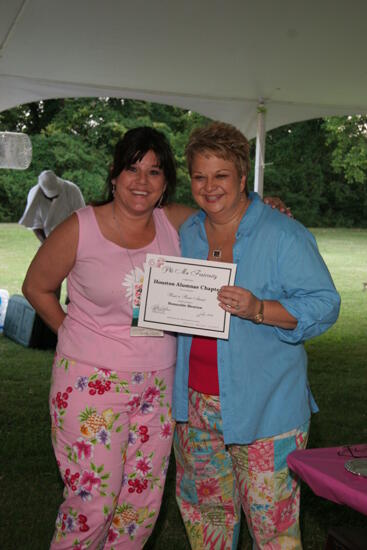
{"x": 262, "y": 369}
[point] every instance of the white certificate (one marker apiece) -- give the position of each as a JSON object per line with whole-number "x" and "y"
{"x": 180, "y": 295}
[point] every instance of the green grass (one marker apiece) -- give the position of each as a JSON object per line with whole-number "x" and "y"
{"x": 30, "y": 488}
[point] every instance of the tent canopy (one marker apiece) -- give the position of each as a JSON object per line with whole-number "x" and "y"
{"x": 304, "y": 59}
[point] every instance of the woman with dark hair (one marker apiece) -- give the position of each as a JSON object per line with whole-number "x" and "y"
{"x": 110, "y": 397}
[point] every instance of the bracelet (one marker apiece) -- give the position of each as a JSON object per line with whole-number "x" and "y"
{"x": 259, "y": 317}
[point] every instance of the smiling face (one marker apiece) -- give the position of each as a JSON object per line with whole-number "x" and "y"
{"x": 140, "y": 186}
{"x": 216, "y": 186}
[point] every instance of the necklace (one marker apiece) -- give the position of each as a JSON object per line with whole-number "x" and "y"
{"x": 217, "y": 250}
{"x": 137, "y": 286}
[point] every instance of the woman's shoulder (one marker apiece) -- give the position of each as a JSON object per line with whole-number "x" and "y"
{"x": 278, "y": 227}
{"x": 84, "y": 212}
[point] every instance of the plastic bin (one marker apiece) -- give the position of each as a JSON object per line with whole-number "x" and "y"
{"x": 24, "y": 326}
{"x": 4, "y": 298}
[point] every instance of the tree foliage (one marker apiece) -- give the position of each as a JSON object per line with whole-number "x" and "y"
{"x": 317, "y": 167}
{"x": 300, "y": 169}
{"x": 348, "y": 138}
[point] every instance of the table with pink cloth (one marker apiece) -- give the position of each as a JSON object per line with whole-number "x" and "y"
{"x": 323, "y": 470}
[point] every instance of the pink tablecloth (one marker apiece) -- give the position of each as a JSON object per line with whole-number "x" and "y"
{"x": 323, "y": 470}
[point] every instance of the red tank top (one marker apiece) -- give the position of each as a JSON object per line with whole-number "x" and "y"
{"x": 203, "y": 373}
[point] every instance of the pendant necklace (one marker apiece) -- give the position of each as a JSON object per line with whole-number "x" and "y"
{"x": 217, "y": 251}
{"x": 136, "y": 330}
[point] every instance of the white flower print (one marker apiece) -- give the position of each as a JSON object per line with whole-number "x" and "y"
{"x": 131, "y": 278}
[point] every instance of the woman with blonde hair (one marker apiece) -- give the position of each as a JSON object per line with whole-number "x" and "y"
{"x": 243, "y": 404}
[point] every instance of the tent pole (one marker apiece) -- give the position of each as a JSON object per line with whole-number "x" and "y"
{"x": 260, "y": 149}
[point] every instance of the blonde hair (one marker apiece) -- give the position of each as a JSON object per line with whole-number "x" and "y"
{"x": 223, "y": 141}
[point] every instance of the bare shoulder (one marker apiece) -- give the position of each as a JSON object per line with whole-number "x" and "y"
{"x": 69, "y": 228}
{"x": 177, "y": 214}
{"x": 56, "y": 257}
{"x": 65, "y": 236}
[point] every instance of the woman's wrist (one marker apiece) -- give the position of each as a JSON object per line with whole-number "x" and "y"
{"x": 259, "y": 317}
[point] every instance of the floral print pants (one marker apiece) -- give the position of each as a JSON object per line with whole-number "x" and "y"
{"x": 112, "y": 435}
{"x": 214, "y": 479}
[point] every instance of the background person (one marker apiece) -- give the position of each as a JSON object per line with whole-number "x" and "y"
{"x": 244, "y": 404}
{"x": 49, "y": 203}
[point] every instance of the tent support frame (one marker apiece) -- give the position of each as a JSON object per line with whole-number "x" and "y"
{"x": 260, "y": 149}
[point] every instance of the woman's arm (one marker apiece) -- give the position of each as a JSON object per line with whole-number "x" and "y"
{"x": 52, "y": 263}
{"x": 308, "y": 304}
{"x": 241, "y": 302}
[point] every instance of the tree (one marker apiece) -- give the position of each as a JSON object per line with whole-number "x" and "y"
{"x": 348, "y": 138}
{"x": 317, "y": 167}
{"x": 76, "y": 138}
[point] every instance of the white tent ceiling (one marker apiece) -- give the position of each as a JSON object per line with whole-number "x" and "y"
{"x": 218, "y": 57}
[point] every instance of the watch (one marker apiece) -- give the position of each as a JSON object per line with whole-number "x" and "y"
{"x": 259, "y": 317}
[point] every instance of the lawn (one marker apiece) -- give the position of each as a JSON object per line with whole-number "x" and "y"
{"x": 30, "y": 489}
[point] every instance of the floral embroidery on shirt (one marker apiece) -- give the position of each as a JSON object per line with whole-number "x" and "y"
{"x": 131, "y": 279}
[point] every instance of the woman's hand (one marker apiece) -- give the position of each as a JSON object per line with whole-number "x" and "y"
{"x": 239, "y": 301}
{"x": 276, "y": 202}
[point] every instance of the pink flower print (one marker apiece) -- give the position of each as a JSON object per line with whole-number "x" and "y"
{"x": 105, "y": 373}
{"x": 261, "y": 457}
{"x": 207, "y": 489}
{"x": 83, "y": 448}
{"x": 151, "y": 394}
{"x": 192, "y": 513}
{"x": 300, "y": 440}
{"x": 69, "y": 523}
{"x": 84, "y": 494}
{"x": 112, "y": 535}
{"x": 56, "y": 418}
{"x": 83, "y": 525}
{"x": 137, "y": 294}
{"x": 137, "y": 378}
{"x": 103, "y": 436}
{"x": 137, "y": 485}
{"x": 89, "y": 480}
{"x": 132, "y": 437}
{"x": 166, "y": 430}
{"x": 146, "y": 407}
{"x": 134, "y": 402}
{"x": 132, "y": 528}
{"x": 143, "y": 433}
{"x": 71, "y": 479}
{"x": 81, "y": 383}
{"x": 143, "y": 466}
{"x": 284, "y": 513}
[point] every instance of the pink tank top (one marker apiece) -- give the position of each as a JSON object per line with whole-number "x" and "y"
{"x": 96, "y": 329}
